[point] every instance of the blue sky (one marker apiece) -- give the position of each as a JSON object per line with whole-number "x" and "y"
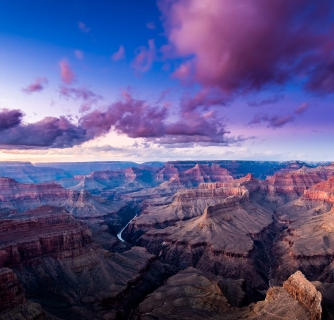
{"x": 148, "y": 80}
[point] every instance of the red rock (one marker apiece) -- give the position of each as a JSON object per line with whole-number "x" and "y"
{"x": 46, "y": 230}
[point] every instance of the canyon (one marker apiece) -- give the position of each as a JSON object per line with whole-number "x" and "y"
{"x": 175, "y": 240}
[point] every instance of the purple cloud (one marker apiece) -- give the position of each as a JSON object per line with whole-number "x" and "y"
{"x": 131, "y": 117}
{"x": 240, "y": 47}
{"x": 119, "y": 55}
{"x": 275, "y": 121}
{"x": 145, "y": 57}
{"x": 10, "y": 118}
{"x": 88, "y": 97}
{"x": 266, "y": 101}
{"x": 302, "y": 108}
{"x": 36, "y": 86}
{"x": 78, "y": 93}
{"x": 83, "y": 27}
{"x": 66, "y": 72}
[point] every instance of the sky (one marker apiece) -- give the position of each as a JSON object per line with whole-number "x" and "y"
{"x": 166, "y": 80}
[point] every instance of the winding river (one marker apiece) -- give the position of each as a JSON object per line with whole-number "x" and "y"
{"x": 119, "y": 234}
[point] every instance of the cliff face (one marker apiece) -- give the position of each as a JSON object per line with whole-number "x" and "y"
{"x": 11, "y": 291}
{"x": 285, "y": 187}
{"x": 220, "y": 241}
{"x": 306, "y": 293}
{"x": 307, "y": 242}
{"x": 187, "y": 204}
{"x": 44, "y": 231}
{"x": 323, "y": 192}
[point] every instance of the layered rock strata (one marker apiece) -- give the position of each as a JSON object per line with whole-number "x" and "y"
{"x": 44, "y": 231}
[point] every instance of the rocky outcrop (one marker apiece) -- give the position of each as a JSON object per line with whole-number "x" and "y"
{"x": 306, "y": 293}
{"x": 11, "y": 291}
{"x": 192, "y": 294}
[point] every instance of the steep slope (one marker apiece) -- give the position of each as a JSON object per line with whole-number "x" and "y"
{"x": 308, "y": 242}
{"x": 186, "y": 204}
{"x": 221, "y": 241}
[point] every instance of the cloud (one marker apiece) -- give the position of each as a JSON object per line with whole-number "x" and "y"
{"x": 242, "y": 46}
{"x": 145, "y": 57}
{"x": 87, "y": 96}
{"x": 266, "y": 101}
{"x": 10, "y": 118}
{"x": 36, "y": 86}
{"x": 78, "y": 93}
{"x": 50, "y": 132}
{"x": 275, "y": 121}
{"x": 79, "y": 54}
{"x": 83, "y": 27}
{"x": 119, "y": 55}
{"x": 131, "y": 117}
{"x": 302, "y": 108}
{"x": 204, "y": 98}
{"x": 66, "y": 73}
{"x": 150, "y": 25}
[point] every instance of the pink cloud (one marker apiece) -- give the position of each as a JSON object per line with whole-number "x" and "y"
{"x": 131, "y": 117}
{"x": 302, "y": 108}
{"x": 79, "y": 54}
{"x": 66, "y": 73}
{"x": 36, "y": 86}
{"x": 88, "y": 97}
{"x": 119, "y": 55}
{"x": 83, "y": 27}
{"x": 242, "y": 46}
{"x": 145, "y": 57}
{"x": 78, "y": 93}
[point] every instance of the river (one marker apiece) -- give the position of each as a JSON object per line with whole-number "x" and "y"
{"x": 119, "y": 234}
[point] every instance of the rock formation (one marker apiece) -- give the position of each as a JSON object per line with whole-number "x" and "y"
{"x": 192, "y": 294}
{"x": 11, "y": 291}
{"x": 244, "y": 236}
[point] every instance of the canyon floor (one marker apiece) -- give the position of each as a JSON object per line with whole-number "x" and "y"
{"x": 174, "y": 240}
